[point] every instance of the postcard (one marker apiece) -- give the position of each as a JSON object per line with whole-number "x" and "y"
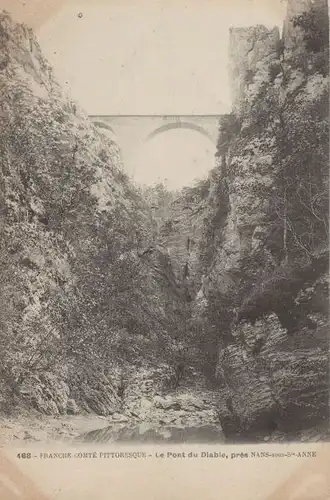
{"x": 164, "y": 250}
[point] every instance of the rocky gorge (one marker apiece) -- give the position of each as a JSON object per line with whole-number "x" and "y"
{"x": 208, "y": 318}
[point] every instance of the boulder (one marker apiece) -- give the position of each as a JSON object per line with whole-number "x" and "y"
{"x": 118, "y": 417}
{"x": 167, "y": 403}
{"x": 145, "y": 404}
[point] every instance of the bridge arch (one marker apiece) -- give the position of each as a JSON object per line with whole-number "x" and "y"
{"x": 179, "y": 124}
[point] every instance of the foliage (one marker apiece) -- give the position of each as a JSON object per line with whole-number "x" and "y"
{"x": 315, "y": 26}
{"x": 300, "y": 194}
{"x": 80, "y": 288}
{"x": 229, "y": 127}
{"x": 196, "y": 193}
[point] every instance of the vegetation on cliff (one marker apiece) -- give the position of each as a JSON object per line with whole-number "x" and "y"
{"x": 84, "y": 294}
{"x": 274, "y": 154}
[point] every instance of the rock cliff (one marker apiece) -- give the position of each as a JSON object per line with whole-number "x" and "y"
{"x": 82, "y": 292}
{"x": 269, "y": 246}
{"x": 251, "y": 51}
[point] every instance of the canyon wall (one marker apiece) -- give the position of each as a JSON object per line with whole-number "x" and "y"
{"x": 252, "y": 241}
{"x": 250, "y": 50}
{"x": 266, "y": 308}
{"x": 83, "y": 297}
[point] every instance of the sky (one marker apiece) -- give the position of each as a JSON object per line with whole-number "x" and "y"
{"x": 152, "y": 57}
{"x": 149, "y": 57}
{"x": 182, "y": 157}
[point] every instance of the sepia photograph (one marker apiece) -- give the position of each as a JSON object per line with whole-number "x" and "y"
{"x": 164, "y": 204}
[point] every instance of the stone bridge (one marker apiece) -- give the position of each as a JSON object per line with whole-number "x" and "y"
{"x": 131, "y": 132}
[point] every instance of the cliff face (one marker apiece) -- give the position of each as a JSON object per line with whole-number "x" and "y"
{"x": 74, "y": 234}
{"x": 266, "y": 306}
{"x": 181, "y": 231}
{"x": 291, "y": 34}
{"x": 251, "y": 51}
